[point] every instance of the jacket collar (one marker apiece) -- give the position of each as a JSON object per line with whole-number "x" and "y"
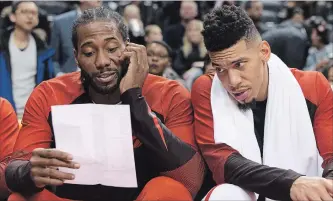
{"x": 5, "y": 35}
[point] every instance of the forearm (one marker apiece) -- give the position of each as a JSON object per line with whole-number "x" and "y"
{"x": 18, "y": 178}
{"x": 4, "y": 192}
{"x": 168, "y": 151}
{"x": 270, "y": 182}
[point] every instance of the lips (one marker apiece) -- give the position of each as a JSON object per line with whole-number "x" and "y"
{"x": 106, "y": 77}
{"x": 153, "y": 66}
{"x": 241, "y": 96}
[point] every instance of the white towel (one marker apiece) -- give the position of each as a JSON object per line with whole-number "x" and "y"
{"x": 289, "y": 141}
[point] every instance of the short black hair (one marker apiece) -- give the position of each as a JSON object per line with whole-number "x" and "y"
{"x": 225, "y": 26}
{"x": 99, "y": 14}
{"x": 164, "y": 44}
{"x": 15, "y": 5}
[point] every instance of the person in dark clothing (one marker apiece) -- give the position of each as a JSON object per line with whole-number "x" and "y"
{"x": 290, "y": 43}
{"x": 159, "y": 59}
{"x": 254, "y": 9}
{"x": 168, "y": 165}
{"x": 189, "y": 59}
{"x": 174, "y": 34}
{"x": 25, "y": 60}
{"x": 258, "y": 137}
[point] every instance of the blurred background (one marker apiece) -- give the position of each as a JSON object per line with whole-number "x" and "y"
{"x": 299, "y": 32}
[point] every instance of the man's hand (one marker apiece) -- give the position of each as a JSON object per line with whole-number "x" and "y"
{"x": 137, "y": 69}
{"x": 312, "y": 189}
{"x": 44, "y": 167}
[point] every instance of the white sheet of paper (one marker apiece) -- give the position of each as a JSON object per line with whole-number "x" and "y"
{"x": 100, "y": 139}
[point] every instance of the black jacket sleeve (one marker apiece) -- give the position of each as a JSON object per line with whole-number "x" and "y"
{"x": 274, "y": 183}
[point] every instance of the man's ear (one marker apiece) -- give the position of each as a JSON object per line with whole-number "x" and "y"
{"x": 265, "y": 50}
{"x": 12, "y": 18}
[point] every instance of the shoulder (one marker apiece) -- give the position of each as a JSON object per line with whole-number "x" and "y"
{"x": 59, "y": 90}
{"x": 5, "y": 107}
{"x": 314, "y": 85}
{"x": 202, "y": 86}
{"x": 162, "y": 86}
{"x": 162, "y": 94}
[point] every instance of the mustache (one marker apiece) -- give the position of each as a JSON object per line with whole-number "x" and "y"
{"x": 105, "y": 70}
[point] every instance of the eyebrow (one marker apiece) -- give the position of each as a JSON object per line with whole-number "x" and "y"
{"x": 90, "y": 42}
{"x": 232, "y": 62}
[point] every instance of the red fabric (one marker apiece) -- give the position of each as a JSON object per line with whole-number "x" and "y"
{"x": 164, "y": 188}
{"x": 9, "y": 129}
{"x": 160, "y": 188}
{"x": 45, "y": 195}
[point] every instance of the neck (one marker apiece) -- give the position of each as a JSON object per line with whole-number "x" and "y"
{"x": 320, "y": 46}
{"x": 184, "y": 22}
{"x": 264, "y": 87}
{"x": 20, "y": 35}
{"x": 107, "y": 99}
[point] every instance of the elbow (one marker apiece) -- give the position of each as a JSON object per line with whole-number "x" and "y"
{"x": 191, "y": 174}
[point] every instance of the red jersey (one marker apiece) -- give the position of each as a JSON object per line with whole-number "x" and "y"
{"x": 163, "y": 138}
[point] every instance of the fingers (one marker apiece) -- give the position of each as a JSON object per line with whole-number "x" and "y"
{"x": 43, "y": 181}
{"x": 52, "y": 173}
{"x": 329, "y": 185}
{"x": 46, "y": 162}
{"x": 52, "y": 153}
{"x": 141, "y": 54}
{"x": 128, "y": 55}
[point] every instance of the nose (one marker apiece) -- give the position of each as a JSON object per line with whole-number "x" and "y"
{"x": 154, "y": 58}
{"x": 234, "y": 78}
{"x": 102, "y": 61}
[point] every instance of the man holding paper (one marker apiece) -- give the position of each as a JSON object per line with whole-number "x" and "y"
{"x": 113, "y": 71}
{"x": 262, "y": 127}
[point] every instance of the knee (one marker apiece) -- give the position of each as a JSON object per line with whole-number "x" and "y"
{"x": 16, "y": 197}
{"x": 229, "y": 192}
{"x": 44, "y": 195}
{"x": 164, "y": 188}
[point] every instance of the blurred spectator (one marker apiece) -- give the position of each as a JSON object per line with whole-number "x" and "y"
{"x": 290, "y": 43}
{"x": 254, "y": 9}
{"x": 330, "y": 75}
{"x": 189, "y": 59}
{"x": 321, "y": 49}
{"x": 174, "y": 34}
{"x": 328, "y": 72}
{"x": 42, "y": 29}
{"x": 132, "y": 18}
{"x": 296, "y": 18}
{"x": 208, "y": 67}
{"x": 25, "y": 60}
{"x": 159, "y": 60}
{"x": 153, "y": 33}
{"x": 64, "y": 61}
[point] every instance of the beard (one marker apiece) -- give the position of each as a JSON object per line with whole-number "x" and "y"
{"x": 247, "y": 106}
{"x": 88, "y": 82}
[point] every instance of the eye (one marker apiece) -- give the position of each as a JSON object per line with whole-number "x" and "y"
{"x": 238, "y": 64}
{"x": 219, "y": 70}
{"x": 88, "y": 54}
{"x": 111, "y": 50}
